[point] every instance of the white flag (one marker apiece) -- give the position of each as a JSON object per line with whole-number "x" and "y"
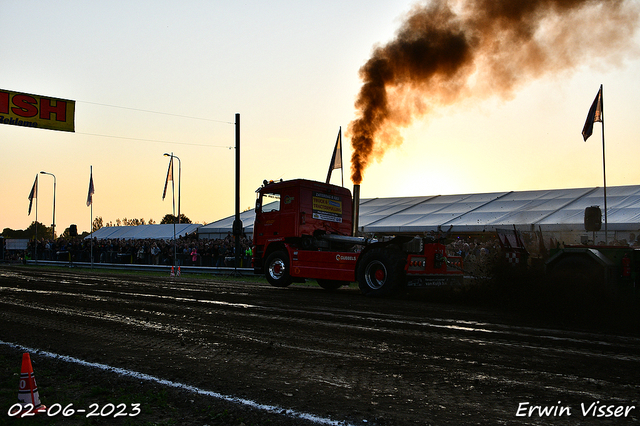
{"x": 336, "y": 158}
{"x": 169, "y": 177}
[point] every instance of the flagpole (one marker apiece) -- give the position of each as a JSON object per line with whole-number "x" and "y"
{"x": 36, "y": 246}
{"x": 596, "y": 113}
{"x": 604, "y": 169}
{"x": 237, "y": 222}
{"x": 91, "y": 238}
{"x": 173, "y": 198}
{"x": 341, "y": 168}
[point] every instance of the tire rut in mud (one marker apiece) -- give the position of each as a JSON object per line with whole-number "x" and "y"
{"x": 337, "y": 354}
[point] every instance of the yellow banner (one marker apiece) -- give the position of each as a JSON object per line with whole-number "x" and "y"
{"x": 327, "y": 206}
{"x": 42, "y": 112}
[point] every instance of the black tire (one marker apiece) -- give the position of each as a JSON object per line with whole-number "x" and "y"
{"x": 331, "y": 284}
{"x": 579, "y": 280}
{"x": 578, "y": 270}
{"x": 381, "y": 271}
{"x": 277, "y": 269}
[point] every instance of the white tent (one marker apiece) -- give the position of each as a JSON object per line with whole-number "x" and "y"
{"x": 223, "y": 227}
{"x": 559, "y": 211}
{"x": 141, "y": 232}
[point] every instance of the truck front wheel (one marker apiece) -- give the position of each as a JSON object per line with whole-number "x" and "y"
{"x": 381, "y": 271}
{"x": 277, "y": 269}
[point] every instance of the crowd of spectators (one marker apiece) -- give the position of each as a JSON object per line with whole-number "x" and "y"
{"x": 477, "y": 256}
{"x": 191, "y": 251}
{"x": 187, "y": 251}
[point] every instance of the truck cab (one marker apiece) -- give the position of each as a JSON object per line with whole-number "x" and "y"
{"x": 298, "y": 209}
{"x": 297, "y": 229}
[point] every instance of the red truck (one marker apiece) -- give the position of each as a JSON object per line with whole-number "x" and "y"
{"x": 307, "y": 230}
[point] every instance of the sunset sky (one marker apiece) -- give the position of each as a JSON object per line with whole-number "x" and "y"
{"x": 152, "y": 77}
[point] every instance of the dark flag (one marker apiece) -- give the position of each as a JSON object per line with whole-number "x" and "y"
{"x": 336, "y": 158}
{"x": 595, "y": 114}
{"x": 33, "y": 194}
{"x": 91, "y": 190}
{"x": 169, "y": 177}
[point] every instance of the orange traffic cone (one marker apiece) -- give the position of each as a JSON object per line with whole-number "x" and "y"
{"x": 28, "y": 390}
{"x": 178, "y": 271}
{"x": 172, "y": 274}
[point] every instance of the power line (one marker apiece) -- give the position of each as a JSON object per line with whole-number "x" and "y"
{"x": 155, "y": 141}
{"x": 157, "y": 112}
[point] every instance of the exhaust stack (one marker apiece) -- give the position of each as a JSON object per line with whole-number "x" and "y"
{"x": 356, "y": 209}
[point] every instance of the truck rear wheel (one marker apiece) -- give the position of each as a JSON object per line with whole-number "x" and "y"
{"x": 577, "y": 270}
{"x": 578, "y": 276}
{"x": 277, "y": 269}
{"x": 381, "y": 271}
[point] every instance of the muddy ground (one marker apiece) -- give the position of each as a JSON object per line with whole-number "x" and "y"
{"x": 335, "y": 356}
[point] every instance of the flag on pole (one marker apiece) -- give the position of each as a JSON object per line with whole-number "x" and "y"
{"x": 91, "y": 190}
{"x": 169, "y": 177}
{"x": 595, "y": 114}
{"x": 33, "y": 194}
{"x": 336, "y": 158}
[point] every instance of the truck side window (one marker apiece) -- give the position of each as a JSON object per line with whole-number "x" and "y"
{"x": 270, "y": 202}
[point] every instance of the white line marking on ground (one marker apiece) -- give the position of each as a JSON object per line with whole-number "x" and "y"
{"x": 233, "y": 399}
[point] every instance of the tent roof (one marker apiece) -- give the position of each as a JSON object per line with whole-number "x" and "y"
{"x": 141, "y": 232}
{"x": 224, "y": 226}
{"x": 549, "y": 210}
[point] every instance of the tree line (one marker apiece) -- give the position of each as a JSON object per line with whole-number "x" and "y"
{"x": 46, "y": 232}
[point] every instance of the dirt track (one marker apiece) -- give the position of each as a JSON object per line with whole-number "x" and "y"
{"x": 337, "y": 355}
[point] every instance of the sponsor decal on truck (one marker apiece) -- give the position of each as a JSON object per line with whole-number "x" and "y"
{"x": 327, "y": 207}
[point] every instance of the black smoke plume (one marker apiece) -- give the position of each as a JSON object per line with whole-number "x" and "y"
{"x": 449, "y": 51}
